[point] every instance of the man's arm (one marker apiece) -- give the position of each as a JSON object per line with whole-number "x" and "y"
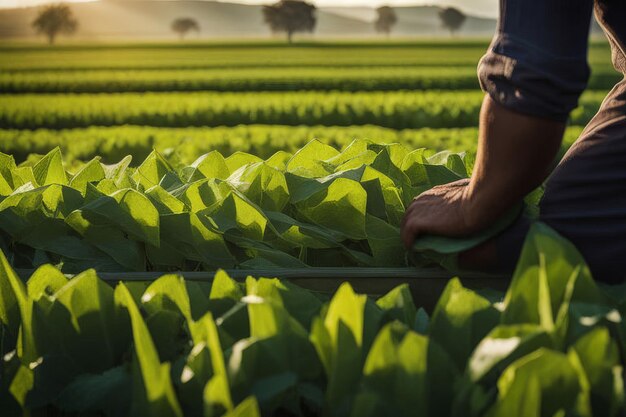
{"x": 533, "y": 74}
{"x": 515, "y": 154}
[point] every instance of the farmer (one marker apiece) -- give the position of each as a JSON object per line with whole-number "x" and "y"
{"x": 533, "y": 74}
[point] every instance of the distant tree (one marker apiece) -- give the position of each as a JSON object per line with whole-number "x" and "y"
{"x": 452, "y": 19}
{"x": 184, "y": 25}
{"x": 55, "y": 19}
{"x": 290, "y": 16}
{"x": 386, "y": 19}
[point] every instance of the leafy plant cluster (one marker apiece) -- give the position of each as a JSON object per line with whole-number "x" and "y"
{"x": 398, "y": 109}
{"x": 317, "y": 207}
{"x": 554, "y": 345}
{"x": 185, "y": 145}
{"x": 20, "y": 57}
{"x": 257, "y": 79}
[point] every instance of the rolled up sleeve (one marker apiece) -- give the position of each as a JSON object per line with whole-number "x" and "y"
{"x": 537, "y": 61}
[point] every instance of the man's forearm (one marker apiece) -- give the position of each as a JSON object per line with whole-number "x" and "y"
{"x": 515, "y": 155}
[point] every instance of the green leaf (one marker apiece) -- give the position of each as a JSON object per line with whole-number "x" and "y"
{"x": 167, "y": 293}
{"x": 164, "y": 202}
{"x": 92, "y": 172}
{"x": 263, "y": 185}
{"x": 596, "y": 355}
{"x": 157, "y": 396}
{"x": 341, "y": 339}
{"x": 217, "y": 396}
{"x": 211, "y": 165}
{"x": 550, "y": 275}
{"x": 502, "y": 346}
{"x": 108, "y": 393}
{"x": 128, "y": 210}
{"x": 151, "y": 171}
{"x": 118, "y": 173}
{"x": 398, "y": 304}
{"x": 7, "y": 166}
{"x": 91, "y": 325}
{"x": 46, "y": 280}
{"x": 385, "y": 243}
{"x": 12, "y": 296}
{"x": 49, "y": 170}
{"x": 340, "y": 207}
{"x": 240, "y": 159}
{"x": 539, "y": 384}
{"x": 405, "y": 374}
{"x": 461, "y": 320}
{"x": 248, "y": 408}
{"x": 307, "y": 161}
{"x": 236, "y": 214}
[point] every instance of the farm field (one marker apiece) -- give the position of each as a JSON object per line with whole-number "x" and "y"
{"x": 185, "y": 145}
{"x": 132, "y": 175}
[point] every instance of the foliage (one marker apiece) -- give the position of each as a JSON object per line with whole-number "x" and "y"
{"x": 290, "y": 16}
{"x": 552, "y": 345}
{"x": 452, "y": 18}
{"x": 327, "y": 78}
{"x": 259, "y": 54}
{"x": 185, "y": 145}
{"x": 184, "y": 25}
{"x": 385, "y": 20}
{"x": 55, "y": 19}
{"x": 317, "y": 207}
{"x": 398, "y": 110}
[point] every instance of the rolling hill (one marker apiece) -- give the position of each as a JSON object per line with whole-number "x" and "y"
{"x": 110, "y": 19}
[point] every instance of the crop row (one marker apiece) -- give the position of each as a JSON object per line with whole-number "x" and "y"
{"x": 398, "y": 110}
{"x": 237, "y": 55}
{"x": 187, "y": 144}
{"x": 551, "y": 346}
{"x": 258, "y": 79}
{"x": 317, "y": 207}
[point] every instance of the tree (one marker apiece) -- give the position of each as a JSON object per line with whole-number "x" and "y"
{"x": 290, "y": 16}
{"x": 184, "y": 25}
{"x": 55, "y": 19}
{"x": 386, "y": 19}
{"x": 452, "y": 19}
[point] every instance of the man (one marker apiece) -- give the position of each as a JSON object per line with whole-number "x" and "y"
{"x": 533, "y": 74}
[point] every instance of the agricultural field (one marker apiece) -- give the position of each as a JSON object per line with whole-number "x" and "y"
{"x": 156, "y": 201}
{"x": 144, "y": 89}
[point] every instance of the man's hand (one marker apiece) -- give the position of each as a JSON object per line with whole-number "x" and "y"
{"x": 445, "y": 210}
{"x": 515, "y": 154}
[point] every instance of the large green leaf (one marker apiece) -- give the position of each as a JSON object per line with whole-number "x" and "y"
{"x": 13, "y": 299}
{"x": 461, "y": 320}
{"x": 340, "y": 207}
{"x": 550, "y": 275}
{"x": 342, "y": 337}
{"x": 157, "y": 396}
{"x": 151, "y": 171}
{"x": 596, "y": 356}
{"x": 93, "y": 330}
{"x": 405, "y": 374}
{"x": 539, "y": 384}
{"x": 263, "y": 185}
{"x": 91, "y": 172}
{"x": 49, "y": 170}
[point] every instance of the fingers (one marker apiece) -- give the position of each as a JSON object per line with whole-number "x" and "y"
{"x": 409, "y": 232}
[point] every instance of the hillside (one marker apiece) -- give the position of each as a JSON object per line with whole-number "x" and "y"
{"x": 419, "y": 20}
{"x": 151, "y": 19}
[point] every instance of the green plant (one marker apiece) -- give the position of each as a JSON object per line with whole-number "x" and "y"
{"x": 553, "y": 344}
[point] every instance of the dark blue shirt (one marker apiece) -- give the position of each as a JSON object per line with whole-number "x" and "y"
{"x": 537, "y": 61}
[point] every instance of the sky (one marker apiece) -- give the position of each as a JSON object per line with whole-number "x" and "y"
{"x": 479, "y": 7}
